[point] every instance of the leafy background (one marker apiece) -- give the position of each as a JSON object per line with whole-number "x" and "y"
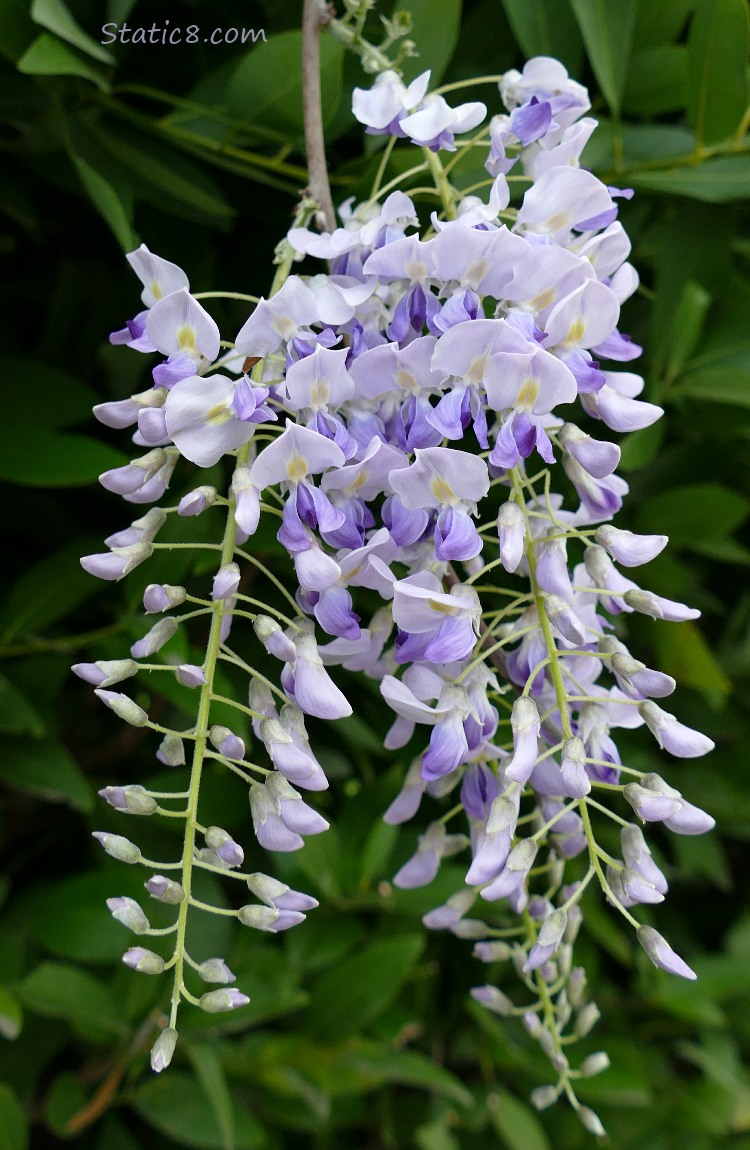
{"x": 360, "y": 1032}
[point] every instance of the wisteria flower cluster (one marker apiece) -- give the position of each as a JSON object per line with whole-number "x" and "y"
{"x": 408, "y": 412}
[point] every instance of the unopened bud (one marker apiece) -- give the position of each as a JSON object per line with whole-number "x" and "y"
{"x": 195, "y": 502}
{"x": 127, "y": 911}
{"x": 105, "y": 672}
{"x": 118, "y": 847}
{"x": 492, "y": 951}
{"x": 132, "y": 800}
{"x": 543, "y": 1097}
{"x": 258, "y": 917}
{"x": 215, "y": 970}
{"x": 493, "y": 999}
{"x": 153, "y": 641}
{"x": 190, "y": 675}
{"x": 226, "y": 581}
{"x": 138, "y": 958}
{"x": 216, "y": 1001}
{"x": 594, "y": 1064}
{"x": 123, "y": 707}
{"x": 162, "y": 597}
{"x": 226, "y": 742}
{"x": 591, "y": 1121}
{"x": 553, "y": 928}
{"x": 171, "y": 751}
{"x": 230, "y": 852}
{"x": 163, "y": 1049}
{"x": 165, "y": 890}
{"x": 587, "y": 1019}
{"x": 564, "y": 619}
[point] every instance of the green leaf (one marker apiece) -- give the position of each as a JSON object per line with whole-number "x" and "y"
{"x": 14, "y": 1129}
{"x": 70, "y": 400}
{"x": 686, "y": 656}
{"x": 55, "y": 17}
{"x": 17, "y": 715}
{"x": 686, "y": 328}
{"x": 436, "y": 1135}
{"x": 435, "y": 38}
{"x": 349, "y": 996}
{"x": 48, "y": 56}
{"x": 173, "y": 1105}
{"x": 16, "y": 29}
{"x": 715, "y": 181}
{"x": 40, "y": 457}
{"x": 656, "y": 81}
{"x": 516, "y": 1123}
{"x": 69, "y": 918}
{"x": 210, "y": 1074}
{"x": 695, "y": 511}
{"x": 56, "y": 990}
{"x": 641, "y": 447}
{"x": 267, "y": 84}
{"x": 717, "y": 79}
{"x": 108, "y": 202}
{"x": 717, "y": 385}
{"x": 409, "y": 1068}
{"x": 65, "y": 1098}
{"x": 47, "y": 591}
{"x": 11, "y": 1019}
{"x": 46, "y": 769}
{"x": 607, "y": 30}
{"x": 161, "y": 171}
{"x": 660, "y": 23}
{"x": 377, "y": 849}
{"x": 546, "y": 28}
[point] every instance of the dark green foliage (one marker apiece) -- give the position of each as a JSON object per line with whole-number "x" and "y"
{"x": 359, "y": 1031}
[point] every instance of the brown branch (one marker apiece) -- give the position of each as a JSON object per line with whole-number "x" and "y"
{"x": 314, "y": 13}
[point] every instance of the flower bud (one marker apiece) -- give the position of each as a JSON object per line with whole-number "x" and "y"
{"x": 215, "y": 970}
{"x": 533, "y": 1023}
{"x": 587, "y": 1019}
{"x": 171, "y": 751}
{"x": 117, "y": 563}
{"x": 226, "y": 743}
{"x": 190, "y": 675}
{"x": 105, "y": 672}
{"x": 162, "y": 597}
{"x": 226, "y": 582}
{"x": 132, "y": 800}
{"x": 573, "y": 767}
{"x": 577, "y": 986}
{"x": 155, "y": 639}
{"x": 165, "y": 890}
{"x": 564, "y": 619}
{"x": 195, "y": 502}
{"x": 594, "y": 1064}
{"x": 163, "y": 1049}
{"x": 591, "y": 1121}
{"x": 544, "y": 1096}
{"x": 492, "y": 951}
{"x": 123, "y": 707}
{"x": 511, "y": 529}
{"x": 216, "y": 1001}
{"x": 493, "y": 999}
{"x": 230, "y": 852}
{"x": 138, "y": 958}
{"x": 258, "y": 917}
{"x": 661, "y": 954}
{"x": 128, "y": 912}
{"x": 118, "y": 847}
